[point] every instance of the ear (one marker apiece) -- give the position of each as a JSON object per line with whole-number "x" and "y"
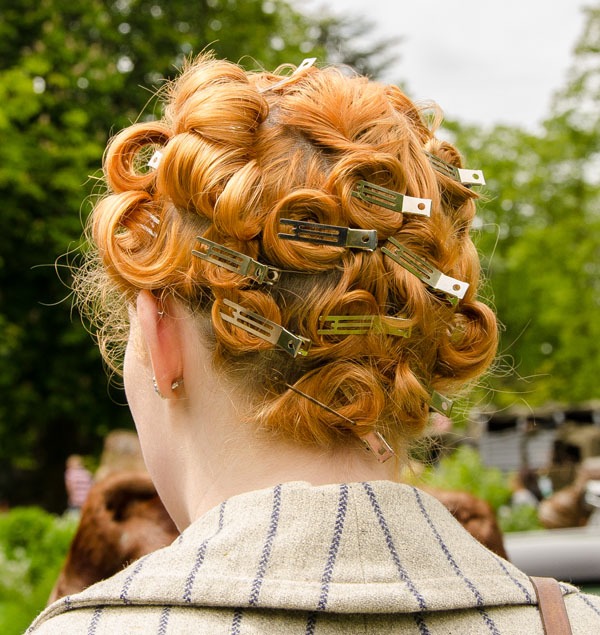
{"x": 162, "y": 331}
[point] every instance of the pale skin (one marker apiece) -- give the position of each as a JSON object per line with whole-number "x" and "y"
{"x": 196, "y": 447}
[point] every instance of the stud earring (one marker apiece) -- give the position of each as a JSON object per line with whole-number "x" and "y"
{"x": 177, "y": 383}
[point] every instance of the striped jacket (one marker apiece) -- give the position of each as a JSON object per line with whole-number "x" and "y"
{"x": 295, "y": 559}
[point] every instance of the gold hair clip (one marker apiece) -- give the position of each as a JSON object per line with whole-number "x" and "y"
{"x": 363, "y": 324}
{"x": 155, "y": 160}
{"x": 238, "y": 263}
{"x": 378, "y": 195}
{"x": 462, "y": 175}
{"x": 306, "y": 63}
{"x": 266, "y": 329}
{"x": 373, "y": 441}
{"x": 441, "y": 404}
{"x": 424, "y": 270}
{"x": 319, "y": 234}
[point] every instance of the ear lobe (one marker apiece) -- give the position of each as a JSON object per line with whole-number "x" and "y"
{"x": 161, "y": 331}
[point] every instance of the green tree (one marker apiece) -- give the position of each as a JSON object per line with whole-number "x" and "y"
{"x": 72, "y": 73}
{"x": 539, "y": 231}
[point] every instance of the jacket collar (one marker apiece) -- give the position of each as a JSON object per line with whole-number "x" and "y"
{"x": 377, "y": 547}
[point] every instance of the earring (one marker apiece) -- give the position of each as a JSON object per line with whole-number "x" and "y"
{"x": 156, "y": 389}
{"x": 177, "y": 383}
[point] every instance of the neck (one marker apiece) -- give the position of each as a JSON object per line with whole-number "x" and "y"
{"x": 222, "y": 456}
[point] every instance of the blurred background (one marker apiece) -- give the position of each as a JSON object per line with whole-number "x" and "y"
{"x": 520, "y": 85}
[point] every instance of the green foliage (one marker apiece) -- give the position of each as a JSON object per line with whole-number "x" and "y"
{"x": 463, "y": 470}
{"x": 539, "y": 233}
{"x": 519, "y": 518}
{"x": 33, "y": 545}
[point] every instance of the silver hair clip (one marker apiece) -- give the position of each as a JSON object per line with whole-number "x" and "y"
{"x": 462, "y": 175}
{"x": 373, "y": 441}
{"x": 441, "y": 404}
{"x": 378, "y": 195}
{"x": 238, "y": 263}
{"x": 154, "y": 222}
{"x": 363, "y": 324}
{"x": 425, "y": 271}
{"x": 155, "y": 160}
{"x": 307, "y": 63}
{"x": 330, "y": 235}
{"x": 265, "y": 329}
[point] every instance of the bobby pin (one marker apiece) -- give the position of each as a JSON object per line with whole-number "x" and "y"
{"x": 378, "y": 195}
{"x": 363, "y": 324}
{"x": 373, "y": 441}
{"x": 238, "y": 263}
{"x": 462, "y": 175}
{"x": 441, "y": 404}
{"x": 319, "y": 234}
{"x": 155, "y": 159}
{"x": 154, "y": 222}
{"x": 307, "y": 63}
{"x": 424, "y": 270}
{"x": 266, "y": 329}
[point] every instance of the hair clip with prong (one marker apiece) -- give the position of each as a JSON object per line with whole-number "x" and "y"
{"x": 441, "y": 404}
{"x": 373, "y": 441}
{"x": 238, "y": 263}
{"x": 306, "y": 63}
{"x": 363, "y": 324}
{"x": 155, "y": 160}
{"x": 319, "y": 234}
{"x": 265, "y": 329}
{"x": 424, "y": 270}
{"x": 154, "y": 222}
{"x": 378, "y": 195}
{"x": 462, "y": 175}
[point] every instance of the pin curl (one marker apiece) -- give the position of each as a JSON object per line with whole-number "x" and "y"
{"x": 373, "y": 441}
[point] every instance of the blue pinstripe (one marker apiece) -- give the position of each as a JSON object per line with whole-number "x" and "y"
{"x": 129, "y": 580}
{"x": 489, "y": 621}
{"x": 236, "y": 623}
{"x": 420, "y": 622}
{"x": 266, "y": 551}
{"x": 311, "y": 623}
{"x": 164, "y": 620}
{"x": 333, "y": 549}
{"x": 588, "y": 603}
{"x": 200, "y": 554}
{"x": 95, "y": 620}
{"x": 526, "y": 593}
{"x": 444, "y": 547}
{"x": 392, "y": 548}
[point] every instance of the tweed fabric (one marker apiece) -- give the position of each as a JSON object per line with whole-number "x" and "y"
{"x": 372, "y": 558}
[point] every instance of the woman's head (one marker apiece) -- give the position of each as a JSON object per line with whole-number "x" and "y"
{"x": 247, "y": 157}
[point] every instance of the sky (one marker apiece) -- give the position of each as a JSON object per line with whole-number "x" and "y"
{"x": 484, "y": 61}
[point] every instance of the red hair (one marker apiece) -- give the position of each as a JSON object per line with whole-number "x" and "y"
{"x": 237, "y": 158}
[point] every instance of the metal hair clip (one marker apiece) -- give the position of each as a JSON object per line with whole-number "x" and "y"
{"x": 155, "y": 159}
{"x": 238, "y": 263}
{"x": 154, "y": 222}
{"x": 462, "y": 175}
{"x": 441, "y": 404}
{"x": 378, "y": 195}
{"x": 265, "y": 329}
{"x": 425, "y": 271}
{"x": 362, "y": 325}
{"x": 330, "y": 235}
{"x": 307, "y": 63}
{"x": 373, "y": 441}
